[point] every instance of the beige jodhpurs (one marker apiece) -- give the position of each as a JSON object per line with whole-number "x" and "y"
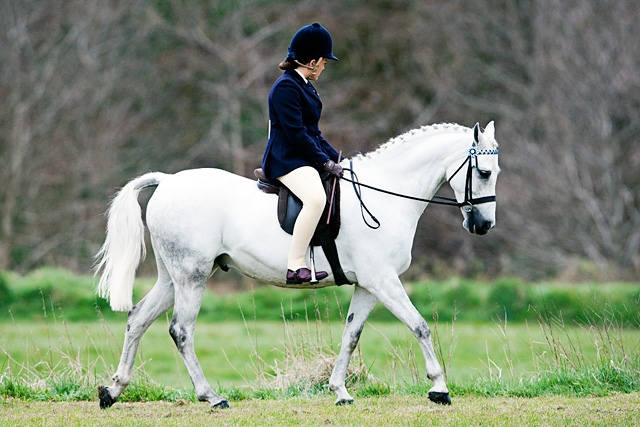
{"x": 305, "y": 183}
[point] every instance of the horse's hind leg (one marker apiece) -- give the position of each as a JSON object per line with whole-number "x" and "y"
{"x": 188, "y": 298}
{"x": 141, "y": 316}
{"x": 361, "y": 305}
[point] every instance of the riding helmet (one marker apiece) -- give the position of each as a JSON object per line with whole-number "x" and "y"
{"x": 311, "y": 42}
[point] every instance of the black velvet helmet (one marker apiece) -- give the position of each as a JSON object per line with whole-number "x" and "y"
{"x": 311, "y": 42}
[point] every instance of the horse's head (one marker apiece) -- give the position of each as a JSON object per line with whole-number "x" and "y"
{"x": 474, "y": 182}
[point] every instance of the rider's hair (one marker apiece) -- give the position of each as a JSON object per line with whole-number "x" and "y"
{"x": 288, "y": 64}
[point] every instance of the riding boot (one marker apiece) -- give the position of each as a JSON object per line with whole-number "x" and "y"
{"x": 303, "y": 275}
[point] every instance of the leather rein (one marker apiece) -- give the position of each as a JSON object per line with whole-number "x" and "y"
{"x": 466, "y": 205}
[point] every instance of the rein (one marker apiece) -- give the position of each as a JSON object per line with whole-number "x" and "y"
{"x": 466, "y": 205}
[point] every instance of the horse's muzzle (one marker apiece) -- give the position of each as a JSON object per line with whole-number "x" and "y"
{"x": 476, "y": 223}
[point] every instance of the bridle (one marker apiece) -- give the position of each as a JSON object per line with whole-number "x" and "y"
{"x": 469, "y": 200}
{"x": 466, "y": 205}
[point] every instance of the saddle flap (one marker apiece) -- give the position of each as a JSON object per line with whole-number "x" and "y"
{"x": 289, "y": 206}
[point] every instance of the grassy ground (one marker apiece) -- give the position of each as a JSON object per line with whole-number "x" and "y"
{"x": 62, "y": 362}
{"x": 577, "y": 369}
{"x": 234, "y": 354}
{"x": 616, "y": 410}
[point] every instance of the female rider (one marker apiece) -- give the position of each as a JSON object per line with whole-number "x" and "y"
{"x": 296, "y": 152}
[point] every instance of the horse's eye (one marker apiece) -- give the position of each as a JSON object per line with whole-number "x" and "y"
{"x": 484, "y": 173}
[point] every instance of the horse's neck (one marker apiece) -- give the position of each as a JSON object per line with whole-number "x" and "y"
{"x": 414, "y": 163}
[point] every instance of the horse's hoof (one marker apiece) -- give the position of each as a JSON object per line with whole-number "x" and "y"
{"x": 105, "y": 398}
{"x": 343, "y": 402}
{"x": 439, "y": 398}
{"x": 223, "y": 404}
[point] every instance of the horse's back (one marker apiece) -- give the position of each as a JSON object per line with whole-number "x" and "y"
{"x": 208, "y": 208}
{"x": 198, "y": 188}
{"x": 204, "y": 180}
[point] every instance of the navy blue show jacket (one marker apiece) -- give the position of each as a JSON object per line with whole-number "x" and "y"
{"x": 295, "y": 139}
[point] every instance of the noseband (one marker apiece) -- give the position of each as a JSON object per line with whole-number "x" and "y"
{"x": 466, "y": 205}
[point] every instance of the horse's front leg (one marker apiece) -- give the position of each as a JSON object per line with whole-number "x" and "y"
{"x": 361, "y": 305}
{"x": 392, "y": 295}
{"x": 188, "y": 299}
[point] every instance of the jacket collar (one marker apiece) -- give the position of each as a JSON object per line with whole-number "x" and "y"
{"x": 305, "y": 86}
{"x": 306, "y": 80}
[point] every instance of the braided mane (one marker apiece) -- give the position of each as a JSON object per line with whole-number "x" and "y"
{"x": 416, "y": 134}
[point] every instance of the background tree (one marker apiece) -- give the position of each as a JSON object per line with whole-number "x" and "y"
{"x": 95, "y": 92}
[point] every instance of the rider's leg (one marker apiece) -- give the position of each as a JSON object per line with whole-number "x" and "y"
{"x": 305, "y": 183}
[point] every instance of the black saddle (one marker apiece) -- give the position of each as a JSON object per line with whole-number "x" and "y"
{"x": 289, "y": 207}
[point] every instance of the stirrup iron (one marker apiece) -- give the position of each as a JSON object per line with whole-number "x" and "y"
{"x": 314, "y": 280}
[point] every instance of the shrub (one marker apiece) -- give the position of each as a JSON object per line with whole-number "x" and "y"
{"x": 509, "y": 298}
{"x": 6, "y": 296}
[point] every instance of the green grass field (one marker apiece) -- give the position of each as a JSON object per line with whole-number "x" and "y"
{"x": 571, "y": 350}
{"x": 237, "y": 354}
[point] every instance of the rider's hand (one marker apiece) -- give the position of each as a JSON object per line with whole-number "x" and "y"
{"x": 333, "y": 168}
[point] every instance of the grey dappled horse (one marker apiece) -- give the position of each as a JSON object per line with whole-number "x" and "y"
{"x": 204, "y": 219}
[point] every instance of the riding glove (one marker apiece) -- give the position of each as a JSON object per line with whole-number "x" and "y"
{"x": 333, "y": 168}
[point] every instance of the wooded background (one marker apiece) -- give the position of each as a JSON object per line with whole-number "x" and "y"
{"x": 95, "y": 92}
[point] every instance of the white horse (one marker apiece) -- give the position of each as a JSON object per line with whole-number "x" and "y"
{"x": 203, "y": 219}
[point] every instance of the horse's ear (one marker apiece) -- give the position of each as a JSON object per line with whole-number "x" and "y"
{"x": 476, "y": 133}
{"x": 490, "y": 130}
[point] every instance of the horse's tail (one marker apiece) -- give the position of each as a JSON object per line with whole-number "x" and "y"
{"x": 124, "y": 246}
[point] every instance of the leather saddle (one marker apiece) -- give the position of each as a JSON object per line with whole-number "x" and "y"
{"x": 289, "y": 207}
